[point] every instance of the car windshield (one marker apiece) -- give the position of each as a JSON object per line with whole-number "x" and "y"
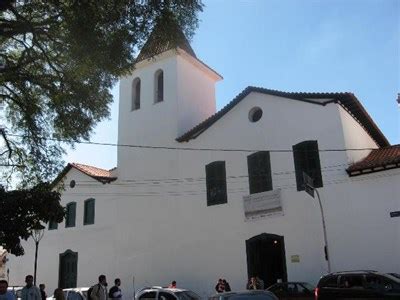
{"x": 393, "y": 277}
{"x": 308, "y": 286}
{"x": 249, "y": 297}
{"x": 187, "y": 295}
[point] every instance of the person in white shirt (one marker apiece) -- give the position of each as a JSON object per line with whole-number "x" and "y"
{"x": 99, "y": 291}
{"x": 30, "y": 292}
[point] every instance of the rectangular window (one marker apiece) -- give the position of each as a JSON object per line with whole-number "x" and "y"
{"x": 306, "y": 159}
{"x": 53, "y": 225}
{"x": 70, "y": 215}
{"x": 88, "y": 212}
{"x": 216, "y": 183}
{"x": 259, "y": 168}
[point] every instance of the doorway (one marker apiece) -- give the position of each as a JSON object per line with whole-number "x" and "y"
{"x": 68, "y": 269}
{"x": 266, "y": 258}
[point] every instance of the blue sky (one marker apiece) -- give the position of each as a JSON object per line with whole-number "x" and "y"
{"x": 292, "y": 45}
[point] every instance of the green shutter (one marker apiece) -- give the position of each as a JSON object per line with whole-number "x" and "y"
{"x": 53, "y": 225}
{"x": 259, "y": 170}
{"x": 216, "y": 183}
{"x": 71, "y": 214}
{"x": 306, "y": 159}
{"x": 89, "y": 212}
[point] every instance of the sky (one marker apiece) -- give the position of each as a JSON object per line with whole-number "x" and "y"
{"x": 295, "y": 46}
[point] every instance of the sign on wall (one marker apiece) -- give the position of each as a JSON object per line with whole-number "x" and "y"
{"x": 262, "y": 205}
{"x": 295, "y": 258}
{"x": 395, "y": 214}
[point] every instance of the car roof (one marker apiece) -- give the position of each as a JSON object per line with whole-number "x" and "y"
{"x": 246, "y": 292}
{"x": 297, "y": 282}
{"x": 156, "y": 288}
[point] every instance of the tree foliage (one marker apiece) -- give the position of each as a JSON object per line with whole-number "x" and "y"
{"x": 58, "y": 61}
{"x": 22, "y": 210}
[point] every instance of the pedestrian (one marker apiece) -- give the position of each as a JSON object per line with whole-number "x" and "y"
{"x": 172, "y": 285}
{"x": 115, "y": 291}
{"x": 227, "y": 287}
{"x": 253, "y": 284}
{"x": 30, "y": 291}
{"x": 219, "y": 288}
{"x": 42, "y": 291}
{"x": 99, "y": 291}
{"x": 59, "y": 294}
{"x": 260, "y": 283}
{"x": 4, "y": 294}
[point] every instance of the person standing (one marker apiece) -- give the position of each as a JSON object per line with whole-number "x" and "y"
{"x": 99, "y": 291}
{"x": 29, "y": 291}
{"x": 219, "y": 288}
{"x": 227, "y": 287}
{"x": 172, "y": 285}
{"x": 42, "y": 291}
{"x": 59, "y": 294}
{"x": 253, "y": 284}
{"x": 4, "y": 294}
{"x": 115, "y": 291}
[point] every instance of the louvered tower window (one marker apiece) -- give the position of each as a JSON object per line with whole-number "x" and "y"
{"x": 136, "y": 94}
{"x": 159, "y": 86}
{"x": 306, "y": 159}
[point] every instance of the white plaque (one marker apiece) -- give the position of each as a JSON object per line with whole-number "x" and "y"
{"x": 263, "y": 204}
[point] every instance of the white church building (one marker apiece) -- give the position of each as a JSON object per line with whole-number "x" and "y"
{"x": 199, "y": 195}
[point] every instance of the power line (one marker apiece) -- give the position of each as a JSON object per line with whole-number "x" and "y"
{"x": 330, "y": 168}
{"x": 230, "y": 190}
{"x": 189, "y": 148}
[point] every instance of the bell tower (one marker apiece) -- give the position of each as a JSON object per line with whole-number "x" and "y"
{"x": 169, "y": 92}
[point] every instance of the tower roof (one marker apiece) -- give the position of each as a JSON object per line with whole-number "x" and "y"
{"x": 162, "y": 40}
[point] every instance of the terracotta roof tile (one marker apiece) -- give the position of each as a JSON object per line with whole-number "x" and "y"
{"x": 161, "y": 41}
{"x": 94, "y": 172}
{"x": 377, "y": 160}
{"x": 102, "y": 175}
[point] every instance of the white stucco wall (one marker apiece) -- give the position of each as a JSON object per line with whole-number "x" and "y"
{"x": 355, "y": 137}
{"x": 153, "y": 222}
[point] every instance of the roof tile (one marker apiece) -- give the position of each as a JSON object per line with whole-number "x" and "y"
{"x": 379, "y": 158}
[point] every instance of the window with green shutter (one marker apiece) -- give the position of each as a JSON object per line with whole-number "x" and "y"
{"x": 88, "y": 212}
{"x": 53, "y": 225}
{"x": 306, "y": 159}
{"x": 216, "y": 183}
{"x": 70, "y": 215}
{"x": 259, "y": 168}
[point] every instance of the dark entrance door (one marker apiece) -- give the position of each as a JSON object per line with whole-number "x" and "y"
{"x": 266, "y": 258}
{"x": 68, "y": 270}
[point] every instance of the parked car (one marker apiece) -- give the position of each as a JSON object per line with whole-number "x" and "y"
{"x": 16, "y": 290}
{"x": 395, "y": 275}
{"x": 246, "y": 295}
{"x": 370, "y": 285}
{"x": 293, "y": 290}
{"x": 160, "y": 293}
{"x": 78, "y": 293}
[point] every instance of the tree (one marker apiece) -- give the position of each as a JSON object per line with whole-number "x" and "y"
{"x": 58, "y": 61}
{"x": 22, "y": 210}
